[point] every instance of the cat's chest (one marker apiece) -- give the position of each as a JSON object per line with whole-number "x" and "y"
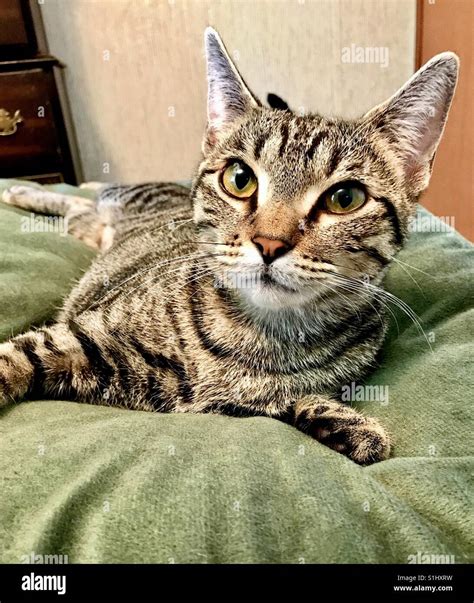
{"x": 272, "y": 376}
{"x": 229, "y": 357}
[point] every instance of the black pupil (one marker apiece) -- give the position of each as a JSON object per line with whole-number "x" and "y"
{"x": 241, "y": 176}
{"x": 344, "y": 197}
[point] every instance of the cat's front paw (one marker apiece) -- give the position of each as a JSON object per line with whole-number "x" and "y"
{"x": 15, "y": 373}
{"x": 4, "y": 387}
{"x": 15, "y": 194}
{"x": 343, "y": 429}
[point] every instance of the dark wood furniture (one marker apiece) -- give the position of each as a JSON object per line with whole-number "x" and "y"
{"x": 37, "y": 139}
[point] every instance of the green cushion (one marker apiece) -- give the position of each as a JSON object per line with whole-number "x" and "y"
{"x": 108, "y": 485}
{"x": 37, "y": 268}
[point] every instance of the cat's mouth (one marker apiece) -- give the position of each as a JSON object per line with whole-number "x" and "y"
{"x": 262, "y": 279}
{"x": 266, "y": 287}
{"x": 268, "y": 280}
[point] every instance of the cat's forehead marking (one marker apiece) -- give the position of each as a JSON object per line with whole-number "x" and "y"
{"x": 296, "y": 151}
{"x": 294, "y": 158}
{"x": 301, "y": 200}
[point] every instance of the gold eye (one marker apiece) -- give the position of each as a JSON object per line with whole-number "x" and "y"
{"x": 344, "y": 199}
{"x": 238, "y": 180}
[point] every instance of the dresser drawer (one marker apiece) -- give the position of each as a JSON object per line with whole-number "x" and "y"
{"x": 16, "y": 32}
{"x": 34, "y": 147}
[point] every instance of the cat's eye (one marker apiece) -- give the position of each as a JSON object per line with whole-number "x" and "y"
{"x": 344, "y": 198}
{"x": 238, "y": 180}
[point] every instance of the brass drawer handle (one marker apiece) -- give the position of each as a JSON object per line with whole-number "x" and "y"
{"x": 8, "y": 123}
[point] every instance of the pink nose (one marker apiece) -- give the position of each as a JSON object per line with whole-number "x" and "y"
{"x": 270, "y": 249}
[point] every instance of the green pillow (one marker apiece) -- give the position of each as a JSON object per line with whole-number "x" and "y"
{"x": 102, "y": 484}
{"x": 37, "y": 268}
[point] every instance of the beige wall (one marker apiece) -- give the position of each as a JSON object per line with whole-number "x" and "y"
{"x": 142, "y": 112}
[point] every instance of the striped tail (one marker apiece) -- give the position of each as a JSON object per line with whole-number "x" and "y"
{"x": 48, "y": 362}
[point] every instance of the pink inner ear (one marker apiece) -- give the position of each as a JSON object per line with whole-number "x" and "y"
{"x": 214, "y": 115}
{"x": 218, "y": 110}
{"x": 211, "y": 136}
{"x": 425, "y": 127}
{"x": 413, "y": 167}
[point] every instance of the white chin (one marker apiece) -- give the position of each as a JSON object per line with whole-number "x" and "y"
{"x": 272, "y": 297}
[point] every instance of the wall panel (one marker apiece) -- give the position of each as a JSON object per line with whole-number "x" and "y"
{"x": 136, "y": 68}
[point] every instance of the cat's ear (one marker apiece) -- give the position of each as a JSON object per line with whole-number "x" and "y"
{"x": 228, "y": 96}
{"x": 413, "y": 118}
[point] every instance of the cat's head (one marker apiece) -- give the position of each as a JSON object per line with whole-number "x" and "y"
{"x": 290, "y": 200}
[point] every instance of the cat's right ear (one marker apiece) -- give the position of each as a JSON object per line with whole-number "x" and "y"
{"x": 413, "y": 119}
{"x": 228, "y": 96}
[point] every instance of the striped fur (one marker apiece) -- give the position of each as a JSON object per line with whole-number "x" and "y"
{"x": 180, "y": 314}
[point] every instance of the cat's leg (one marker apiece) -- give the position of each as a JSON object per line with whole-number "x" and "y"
{"x": 54, "y": 362}
{"x": 45, "y": 202}
{"x": 343, "y": 429}
{"x": 83, "y": 220}
{"x": 93, "y": 185}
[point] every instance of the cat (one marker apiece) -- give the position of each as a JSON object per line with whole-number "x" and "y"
{"x": 258, "y": 291}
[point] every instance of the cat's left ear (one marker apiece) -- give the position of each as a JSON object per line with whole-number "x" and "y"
{"x": 228, "y": 96}
{"x": 413, "y": 119}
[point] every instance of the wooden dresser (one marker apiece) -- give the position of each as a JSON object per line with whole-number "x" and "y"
{"x": 37, "y": 139}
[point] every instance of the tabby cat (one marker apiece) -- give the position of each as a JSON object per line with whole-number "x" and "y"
{"x": 258, "y": 293}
